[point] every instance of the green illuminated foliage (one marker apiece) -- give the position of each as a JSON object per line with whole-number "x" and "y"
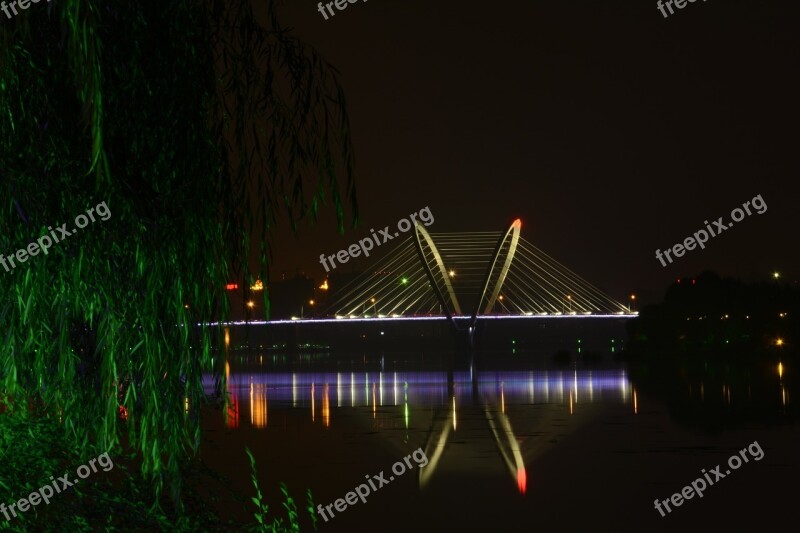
{"x": 198, "y": 126}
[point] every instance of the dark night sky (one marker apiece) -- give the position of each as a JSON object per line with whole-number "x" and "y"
{"x": 608, "y": 129}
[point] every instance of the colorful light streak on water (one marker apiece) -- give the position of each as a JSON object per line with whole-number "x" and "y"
{"x": 419, "y": 389}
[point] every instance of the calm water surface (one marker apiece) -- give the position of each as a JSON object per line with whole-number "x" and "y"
{"x": 512, "y": 445}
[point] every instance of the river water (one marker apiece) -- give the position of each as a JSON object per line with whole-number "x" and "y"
{"x": 513, "y": 444}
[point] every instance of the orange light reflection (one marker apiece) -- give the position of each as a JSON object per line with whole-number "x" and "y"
{"x": 326, "y": 408}
{"x": 258, "y": 405}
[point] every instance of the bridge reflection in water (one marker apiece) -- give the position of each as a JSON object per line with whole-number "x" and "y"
{"x": 428, "y": 409}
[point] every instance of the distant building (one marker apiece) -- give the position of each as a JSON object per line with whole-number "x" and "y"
{"x": 295, "y": 297}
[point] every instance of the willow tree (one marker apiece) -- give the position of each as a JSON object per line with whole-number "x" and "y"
{"x": 199, "y": 123}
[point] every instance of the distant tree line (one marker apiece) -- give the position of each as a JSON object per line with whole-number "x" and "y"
{"x": 711, "y": 315}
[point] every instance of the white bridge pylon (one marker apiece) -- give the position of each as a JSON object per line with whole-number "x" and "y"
{"x": 512, "y": 249}
{"x": 467, "y": 273}
{"x": 420, "y": 231}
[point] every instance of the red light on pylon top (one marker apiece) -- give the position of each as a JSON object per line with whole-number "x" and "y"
{"x": 517, "y": 223}
{"x": 522, "y": 480}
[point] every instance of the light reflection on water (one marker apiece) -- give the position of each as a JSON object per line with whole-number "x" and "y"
{"x": 326, "y": 395}
{"x": 503, "y": 434}
{"x": 316, "y": 391}
{"x": 474, "y": 404}
{"x": 497, "y": 439}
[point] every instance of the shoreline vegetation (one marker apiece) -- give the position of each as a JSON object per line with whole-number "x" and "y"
{"x": 717, "y": 351}
{"x": 123, "y": 499}
{"x": 719, "y": 318}
{"x": 200, "y": 146}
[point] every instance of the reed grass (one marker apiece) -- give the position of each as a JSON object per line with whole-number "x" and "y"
{"x": 263, "y": 524}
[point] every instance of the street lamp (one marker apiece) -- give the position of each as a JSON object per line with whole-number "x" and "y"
{"x": 310, "y": 303}
{"x": 633, "y": 299}
{"x": 776, "y": 275}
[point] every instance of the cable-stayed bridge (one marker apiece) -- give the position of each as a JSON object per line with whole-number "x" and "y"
{"x": 469, "y": 274}
{"x": 432, "y": 282}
